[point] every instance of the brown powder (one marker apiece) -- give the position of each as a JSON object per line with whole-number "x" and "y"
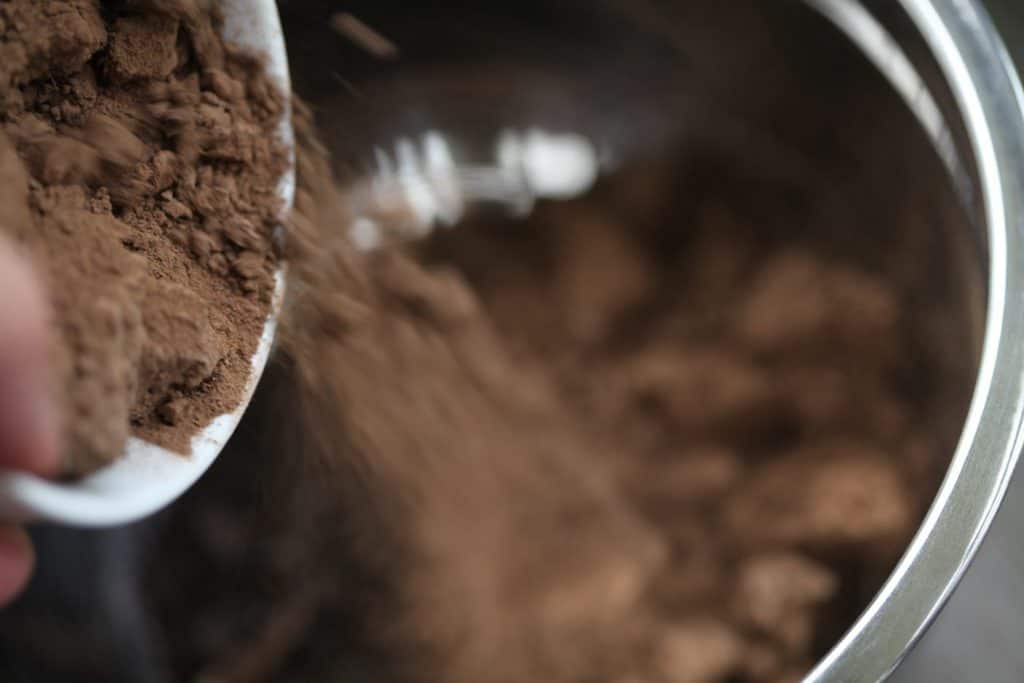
{"x": 470, "y": 465}
{"x": 571, "y": 450}
{"x": 400, "y": 373}
{"x": 144, "y": 153}
{"x": 748, "y": 394}
{"x": 633, "y": 439}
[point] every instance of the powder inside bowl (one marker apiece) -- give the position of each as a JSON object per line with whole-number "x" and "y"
{"x": 141, "y": 162}
{"x": 676, "y": 430}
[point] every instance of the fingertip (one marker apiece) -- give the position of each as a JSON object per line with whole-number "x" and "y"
{"x": 29, "y": 419}
{"x": 17, "y": 560}
{"x": 31, "y": 446}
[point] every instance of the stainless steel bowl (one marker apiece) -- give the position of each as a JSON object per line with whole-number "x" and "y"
{"x": 908, "y": 114}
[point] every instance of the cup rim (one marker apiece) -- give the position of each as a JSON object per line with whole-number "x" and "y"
{"x": 990, "y": 101}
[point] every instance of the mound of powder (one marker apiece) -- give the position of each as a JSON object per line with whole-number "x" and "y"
{"x": 140, "y": 164}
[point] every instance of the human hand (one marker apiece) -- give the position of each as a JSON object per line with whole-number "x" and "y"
{"x": 29, "y": 433}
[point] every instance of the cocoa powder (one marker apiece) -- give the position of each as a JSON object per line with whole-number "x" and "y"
{"x": 623, "y": 440}
{"x": 481, "y": 459}
{"x": 664, "y": 433}
{"x": 143, "y": 162}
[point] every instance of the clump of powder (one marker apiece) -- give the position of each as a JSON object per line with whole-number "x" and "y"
{"x": 144, "y": 167}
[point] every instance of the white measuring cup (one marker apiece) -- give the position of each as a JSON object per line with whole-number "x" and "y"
{"x": 147, "y": 478}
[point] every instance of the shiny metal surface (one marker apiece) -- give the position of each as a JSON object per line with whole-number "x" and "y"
{"x": 977, "y": 635}
{"x": 988, "y": 95}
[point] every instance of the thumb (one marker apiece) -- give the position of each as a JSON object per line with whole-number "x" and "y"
{"x": 29, "y": 430}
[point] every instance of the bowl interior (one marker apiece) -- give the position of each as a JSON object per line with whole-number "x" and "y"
{"x": 844, "y": 113}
